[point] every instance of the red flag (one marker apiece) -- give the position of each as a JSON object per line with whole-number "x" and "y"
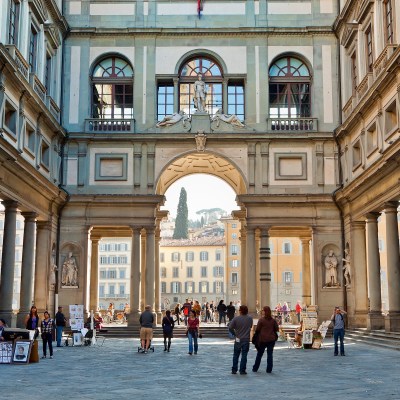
{"x": 199, "y": 7}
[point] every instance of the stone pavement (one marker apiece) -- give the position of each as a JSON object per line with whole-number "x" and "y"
{"x": 118, "y": 371}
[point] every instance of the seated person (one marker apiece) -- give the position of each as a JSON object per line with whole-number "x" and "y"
{"x": 2, "y": 326}
{"x": 298, "y": 335}
{"x": 98, "y": 321}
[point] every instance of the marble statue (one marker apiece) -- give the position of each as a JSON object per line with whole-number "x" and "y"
{"x": 169, "y": 120}
{"x": 69, "y": 271}
{"x": 229, "y": 119}
{"x": 331, "y": 269}
{"x": 200, "y": 93}
{"x": 52, "y": 276}
{"x": 346, "y": 268}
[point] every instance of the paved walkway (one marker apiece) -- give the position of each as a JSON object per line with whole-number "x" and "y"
{"x": 118, "y": 371}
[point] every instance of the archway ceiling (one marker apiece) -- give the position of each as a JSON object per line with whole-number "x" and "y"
{"x": 200, "y": 163}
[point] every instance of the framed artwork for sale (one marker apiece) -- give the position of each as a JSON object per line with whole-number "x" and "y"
{"x": 21, "y": 351}
{"x": 6, "y": 349}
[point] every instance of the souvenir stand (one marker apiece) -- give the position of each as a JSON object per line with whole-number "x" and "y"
{"x": 17, "y": 347}
{"x": 77, "y": 324}
{"x": 311, "y": 337}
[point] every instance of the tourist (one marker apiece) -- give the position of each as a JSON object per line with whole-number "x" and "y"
{"x": 60, "y": 323}
{"x": 221, "y": 308}
{"x": 298, "y": 335}
{"x": 267, "y": 331}
{"x": 197, "y": 308}
{"x": 47, "y": 327}
{"x": 241, "y": 326}
{"x": 177, "y": 312}
{"x": 230, "y": 311}
{"x": 338, "y": 330}
{"x": 186, "y": 308}
{"x": 299, "y": 309}
{"x": 168, "y": 326}
{"x": 146, "y": 328}
{"x": 2, "y": 326}
{"x": 32, "y": 321}
{"x": 193, "y": 332}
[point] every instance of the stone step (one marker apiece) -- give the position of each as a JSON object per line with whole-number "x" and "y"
{"x": 389, "y": 340}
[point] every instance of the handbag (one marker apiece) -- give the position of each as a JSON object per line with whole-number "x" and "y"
{"x": 254, "y": 339}
{"x": 200, "y": 336}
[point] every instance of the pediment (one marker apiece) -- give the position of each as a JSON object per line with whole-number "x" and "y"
{"x": 349, "y": 33}
{"x": 39, "y": 9}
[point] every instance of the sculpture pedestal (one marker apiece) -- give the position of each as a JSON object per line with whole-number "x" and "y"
{"x": 201, "y": 123}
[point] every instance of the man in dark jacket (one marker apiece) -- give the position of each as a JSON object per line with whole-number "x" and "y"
{"x": 60, "y": 323}
{"x": 230, "y": 311}
{"x": 146, "y": 331}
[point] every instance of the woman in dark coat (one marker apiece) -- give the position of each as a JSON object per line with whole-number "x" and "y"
{"x": 168, "y": 326}
{"x": 267, "y": 330}
{"x": 221, "y": 308}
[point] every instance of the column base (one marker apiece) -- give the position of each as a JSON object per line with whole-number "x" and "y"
{"x": 392, "y": 322}
{"x": 22, "y": 314}
{"x": 375, "y": 321}
{"x": 159, "y": 317}
{"x": 133, "y": 319}
{"x": 358, "y": 319}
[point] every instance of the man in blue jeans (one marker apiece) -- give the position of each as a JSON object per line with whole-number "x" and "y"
{"x": 241, "y": 326}
{"x": 338, "y": 329}
{"x": 60, "y": 323}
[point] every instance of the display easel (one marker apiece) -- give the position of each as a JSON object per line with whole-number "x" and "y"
{"x": 310, "y": 326}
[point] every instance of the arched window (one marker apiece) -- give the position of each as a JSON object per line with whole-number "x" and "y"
{"x": 212, "y": 75}
{"x": 112, "y": 89}
{"x": 289, "y": 89}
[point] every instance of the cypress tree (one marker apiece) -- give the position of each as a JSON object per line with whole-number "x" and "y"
{"x": 181, "y": 222}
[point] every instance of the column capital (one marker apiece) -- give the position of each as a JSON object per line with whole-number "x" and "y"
{"x": 305, "y": 240}
{"x": 95, "y": 238}
{"x": 372, "y": 217}
{"x": 150, "y": 229}
{"x": 29, "y": 216}
{"x": 136, "y": 228}
{"x": 391, "y": 207}
{"x": 10, "y": 204}
{"x": 358, "y": 225}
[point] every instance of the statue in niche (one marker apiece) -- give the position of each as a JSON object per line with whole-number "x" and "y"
{"x": 173, "y": 119}
{"x": 69, "y": 271}
{"x": 347, "y": 268}
{"x": 200, "y": 93}
{"x": 229, "y": 119}
{"x": 201, "y": 141}
{"x": 331, "y": 263}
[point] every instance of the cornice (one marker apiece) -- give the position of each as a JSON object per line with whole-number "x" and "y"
{"x": 177, "y": 32}
{"x": 57, "y": 16}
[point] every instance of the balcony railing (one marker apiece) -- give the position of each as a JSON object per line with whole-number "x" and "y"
{"x": 292, "y": 124}
{"x": 113, "y": 296}
{"x": 38, "y": 87}
{"x": 96, "y": 125}
{"x": 383, "y": 58}
{"x": 19, "y": 59}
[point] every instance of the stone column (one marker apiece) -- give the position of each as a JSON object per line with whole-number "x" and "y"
{"x": 392, "y": 320}
{"x": 251, "y": 278}
{"x": 306, "y": 271}
{"x": 359, "y": 260}
{"x": 375, "y": 317}
{"x": 8, "y": 261}
{"x": 176, "y": 95}
{"x": 133, "y": 317}
{"x": 157, "y": 287}
{"x": 243, "y": 265}
{"x": 265, "y": 268}
{"x": 150, "y": 266}
{"x": 43, "y": 250}
{"x": 27, "y": 267}
{"x": 94, "y": 274}
{"x": 225, "y": 96}
{"x": 143, "y": 270}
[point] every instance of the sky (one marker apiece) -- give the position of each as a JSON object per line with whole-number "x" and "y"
{"x": 203, "y": 191}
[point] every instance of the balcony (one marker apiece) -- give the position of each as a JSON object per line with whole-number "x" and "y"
{"x": 96, "y": 125}
{"x": 293, "y": 124}
{"x": 19, "y": 59}
{"x": 38, "y": 87}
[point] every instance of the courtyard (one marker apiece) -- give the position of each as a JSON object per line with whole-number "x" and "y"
{"x": 117, "y": 371}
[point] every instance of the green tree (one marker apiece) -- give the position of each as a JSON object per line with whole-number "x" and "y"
{"x": 181, "y": 222}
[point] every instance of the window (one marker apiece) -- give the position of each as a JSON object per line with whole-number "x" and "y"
{"x": 287, "y": 277}
{"x": 18, "y": 240}
{"x": 47, "y": 74}
{"x": 121, "y": 289}
{"x": 163, "y": 272}
{"x": 234, "y": 226}
{"x": 165, "y": 100}
{"x": 189, "y": 256}
{"x": 211, "y": 75}
{"x": 189, "y": 272}
{"x": 175, "y": 287}
{"x": 287, "y": 248}
{"x": 189, "y": 287}
{"x": 175, "y": 257}
{"x": 219, "y": 287}
{"x": 369, "y": 50}
{"x": 10, "y": 118}
{"x": 203, "y": 256}
{"x": 218, "y": 271}
{"x": 101, "y": 291}
{"x": 234, "y": 263}
{"x": 33, "y": 49}
{"x": 45, "y": 155}
{"x": 163, "y": 287}
{"x": 234, "y": 235}
{"x": 112, "y": 92}
{"x": 103, "y": 274}
{"x": 122, "y": 274}
{"x": 234, "y": 278}
{"x": 175, "y": 272}
{"x": 13, "y": 22}
{"x": 390, "y": 118}
{"x": 30, "y": 138}
{"x": 356, "y": 154}
{"x": 236, "y": 99}
{"x": 162, "y": 257}
{"x": 289, "y": 89}
{"x": 388, "y": 14}
{"x": 203, "y": 286}
{"x": 204, "y": 272}
{"x": 354, "y": 72}
{"x": 234, "y": 250}
{"x": 111, "y": 290}
{"x": 218, "y": 255}
{"x": 112, "y": 274}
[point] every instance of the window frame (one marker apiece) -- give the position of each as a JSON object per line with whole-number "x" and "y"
{"x": 13, "y": 22}
{"x": 388, "y": 21}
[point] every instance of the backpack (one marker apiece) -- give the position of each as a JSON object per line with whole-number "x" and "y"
{"x": 186, "y": 311}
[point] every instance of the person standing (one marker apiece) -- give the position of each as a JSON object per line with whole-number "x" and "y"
{"x": 241, "y": 326}
{"x": 177, "y": 312}
{"x": 60, "y": 323}
{"x": 2, "y": 326}
{"x": 221, "y": 308}
{"x": 267, "y": 331}
{"x": 299, "y": 309}
{"x": 32, "y": 321}
{"x": 186, "y": 308}
{"x": 47, "y": 327}
{"x": 230, "y": 311}
{"x": 146, "y": 331}
{"x": 193, "y": 332}
{"x": 168, "y": 326}
{"x": 338, "y": 329}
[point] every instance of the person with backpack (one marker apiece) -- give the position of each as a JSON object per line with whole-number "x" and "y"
{"x": 60, "y": 323}
{"x": 338, "y": 330}
{"x": 186, "y": 308}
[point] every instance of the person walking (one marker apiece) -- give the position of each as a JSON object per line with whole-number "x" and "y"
{"x": 338, "y": 330}
{"x": 177, "y": 312}
{"x": 47, "y": 328}
{"x": 60, "y": 323}
{"x": 193, "y": 332}
{"x": 267, "y": 332}
{"x": 240, "y": 326}
{"x": 186, "y": 308}
{"x": 168, "y": 327}
{"x": 146, "y": 328}
{"x": 221, "y": 308}
{"x": 230, "y": 311}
